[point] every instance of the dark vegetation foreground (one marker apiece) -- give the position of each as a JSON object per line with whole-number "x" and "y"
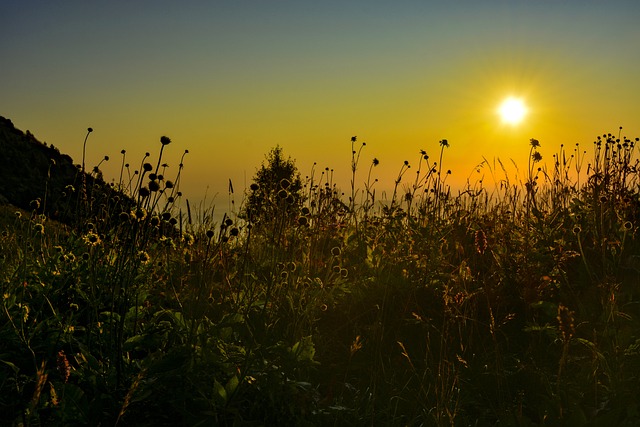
{"x": 512, "y": 305}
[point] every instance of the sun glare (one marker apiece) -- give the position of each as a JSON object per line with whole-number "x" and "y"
{"x": 512, "y": 111}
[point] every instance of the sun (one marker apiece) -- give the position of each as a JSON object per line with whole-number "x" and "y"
{"x": 512, "y": 111}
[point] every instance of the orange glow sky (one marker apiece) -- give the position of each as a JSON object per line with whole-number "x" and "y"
{"x": 228, "y": 80}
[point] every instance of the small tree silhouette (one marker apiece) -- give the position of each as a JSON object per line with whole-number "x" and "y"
{"x": 276, "y": 191}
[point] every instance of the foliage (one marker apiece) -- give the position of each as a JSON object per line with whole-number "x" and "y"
{"x": 276, "y": 190}
{"x": 512, "y": 305}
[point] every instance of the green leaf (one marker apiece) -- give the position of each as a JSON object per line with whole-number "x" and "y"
{"x": 220, "y": 393}
{"x": 232, "y": 385}
{"x": 304, "y": 350}
{"x": 12, "y": 366}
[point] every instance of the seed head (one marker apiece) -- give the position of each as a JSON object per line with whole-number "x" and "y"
{"x": 63, "y": 366}
{"x": 143, "y": 257}
{"x": 92, "y": 239}
{"x": 284, "y": 183}
{"x": 164, "y": 140}
{"x": 481, "y": 241}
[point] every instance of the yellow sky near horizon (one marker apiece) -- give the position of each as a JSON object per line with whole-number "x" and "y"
{"x": 230, "y": 81}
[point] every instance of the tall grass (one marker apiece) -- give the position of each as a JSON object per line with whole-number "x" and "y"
{"x": 513, "y": 303}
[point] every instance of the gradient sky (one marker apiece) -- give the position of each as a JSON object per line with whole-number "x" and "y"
{"x": 228, "y": 80}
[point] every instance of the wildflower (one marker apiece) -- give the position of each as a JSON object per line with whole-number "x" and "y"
{"x": 85, "y": 256}
{"x": 577, "y": 229}
{"x": 234, "y": 231}
{"x": 324, "y": 307}
{"x": 147, "y": 167}
{"x": 35, "y": 204}
{"x": 63, "y": 366}
{"x": 627, "y": 225}
{"x": 209, "y": 234}
{"x": 305, "y": 211}
{"x": 139, "y": 214}
{"x": 284, "y": 183}
{"x": 188, "y": 239}
{"x": 89, "y": 130}
{"x": 144, "y": 192}
{"x": 534, "y": 143}
{"x": 166, "y": 216}
{"x": 228, "y": 222}
{"x": 167, "y": 241}
{"x": 444, "y": 143}
{"x": 154, "y": 221}
{"x": 254, "y": 187}
{"x": 18, "y": 214}
{"x": 344, "y": 273}
{"x": 283, "y": 194}
{"x": 303, "y": 221}
{"x": 143, "y": 257}
{"x": 92, "y": 239}
{"x": 353, "y": 138}
{"x": 336, "y": 269}
{"x": 376, "y": 162}
{"x": 124, "y": 216}
{"x": 335, "y": 251}
{"x": 165, "y": 140}
{"x": 39, "y": 228}
{"x": 536, "y": 157}
{"x": 154, "y": 186}
{"x": 168, "y": 184}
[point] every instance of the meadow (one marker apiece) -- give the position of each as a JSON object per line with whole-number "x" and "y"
{"x": 511, "y": 303}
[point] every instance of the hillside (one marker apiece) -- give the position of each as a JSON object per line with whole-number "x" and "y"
{"x": 32, "y": 170}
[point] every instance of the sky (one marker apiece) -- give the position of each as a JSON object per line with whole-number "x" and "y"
{"x": 230, "y": 80}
